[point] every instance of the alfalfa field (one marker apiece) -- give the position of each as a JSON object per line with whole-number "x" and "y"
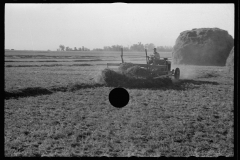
{"x": 54, "y": 106}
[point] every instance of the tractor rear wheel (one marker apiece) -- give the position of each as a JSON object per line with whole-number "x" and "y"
{"x": 177, "y": 73}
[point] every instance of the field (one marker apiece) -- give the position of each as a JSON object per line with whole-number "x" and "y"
{"x": 55, "y": 107}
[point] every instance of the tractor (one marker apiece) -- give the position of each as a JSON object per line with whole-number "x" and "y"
{"x": 161, "y": 68}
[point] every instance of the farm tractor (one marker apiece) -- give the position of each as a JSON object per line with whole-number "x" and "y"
{"x": 161, "y": 68}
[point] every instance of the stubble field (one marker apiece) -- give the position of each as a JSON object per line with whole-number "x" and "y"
{"x": 62, "y": 111}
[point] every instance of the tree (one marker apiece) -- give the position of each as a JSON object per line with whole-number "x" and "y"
{"x": 79, "y": 48}
{"x": 160, "y": 48}
{"x": 86, "y": 49}
{"x": 67, "y": 48}
{"x": 62, "y": 47}
{"x": 97, "y": 49}
{"x": 106, "y": 48}
{"x": 165, "y": 48}
{"x": 137, "y": 47}
{"x": 150, "y": 46}
{"x": 126, "y": 49}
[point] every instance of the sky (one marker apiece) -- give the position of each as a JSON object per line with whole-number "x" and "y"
{"x": 42, "y": 26}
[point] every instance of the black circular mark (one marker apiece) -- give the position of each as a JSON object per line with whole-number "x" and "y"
{"x": 119, "y": 97}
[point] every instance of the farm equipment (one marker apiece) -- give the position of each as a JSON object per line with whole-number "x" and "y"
{"x": 161, "y": 68}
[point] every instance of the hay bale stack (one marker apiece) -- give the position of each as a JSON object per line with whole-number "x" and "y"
{"x": 230, "y": 62}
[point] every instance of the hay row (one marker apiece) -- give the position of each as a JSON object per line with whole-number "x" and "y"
{"x": 130, "y": 75}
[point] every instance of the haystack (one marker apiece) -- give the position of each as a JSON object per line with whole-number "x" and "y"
{"x": 202, "y": 46}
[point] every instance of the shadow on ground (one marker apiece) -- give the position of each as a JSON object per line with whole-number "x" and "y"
{"x": 181, "y": 85}
{"x": 26, "y": 92}
{"x": 196, "y": 82}
{"x": 36, "y": 91}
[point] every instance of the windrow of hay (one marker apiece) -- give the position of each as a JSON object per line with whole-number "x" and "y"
{"x": 130, "y": 75}
{"x": 124, "y": 66}
{"x": 137, "y": 72}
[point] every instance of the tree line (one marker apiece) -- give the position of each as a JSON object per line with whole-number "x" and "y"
{"x": 63, "y": 48}
{"x": 136, "y": 47}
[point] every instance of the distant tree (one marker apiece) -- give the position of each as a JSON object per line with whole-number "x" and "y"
{"x": 160, "y": 48}
{"x": 97, "y": 49}
{"x": 67, "y": 48}
{"x": 165, "y": 48}
{"x": 126, "y": 49}
{"x": 106, "y": 48}
{"x": 79, "y": 49}
{"x": 62, "y": 47}
{"x": 82, "y": 48}
{"x": 75, "y": 48}
{"x": 86, "y": 49}
{"x": 116, "y": 47}
{"x": 150, "y": 46}
{"x": 137, "y": 47}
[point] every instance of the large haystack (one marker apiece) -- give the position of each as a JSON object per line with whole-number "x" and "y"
{"x": 230, "y": 62}
{"x": 203, "y": 46}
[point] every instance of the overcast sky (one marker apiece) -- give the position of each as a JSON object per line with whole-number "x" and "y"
{"x": 46, "y": 26}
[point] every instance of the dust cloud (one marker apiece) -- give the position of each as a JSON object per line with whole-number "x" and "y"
{"x": 98, "y": 78}
{"x": 186, "y": 71}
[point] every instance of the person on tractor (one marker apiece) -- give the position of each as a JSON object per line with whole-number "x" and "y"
{"x": 154, "y": 59}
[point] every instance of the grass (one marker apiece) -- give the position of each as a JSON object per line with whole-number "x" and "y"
{"x": 59, "y": 111}
{"x": 45, "y": 77}
{"x": 152, "y": 124}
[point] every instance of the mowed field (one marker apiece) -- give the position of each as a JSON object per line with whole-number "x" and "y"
{"x": 54, "y": 106}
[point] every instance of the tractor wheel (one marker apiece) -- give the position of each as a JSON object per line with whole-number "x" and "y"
{"x": 177, "y": 73}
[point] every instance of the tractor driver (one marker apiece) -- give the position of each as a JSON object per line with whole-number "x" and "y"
{"x": 156, "y": 57}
